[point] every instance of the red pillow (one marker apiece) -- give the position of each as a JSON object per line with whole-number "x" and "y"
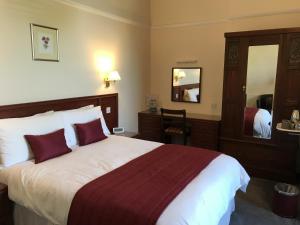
{"x": 48, "y": 146}
{"x": 90, "y": 132}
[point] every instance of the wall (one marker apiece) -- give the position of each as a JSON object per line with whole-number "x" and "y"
{"x": 192, "y": 29}
{"x": 86, "y": 34}
{"x": 191, "y": 76}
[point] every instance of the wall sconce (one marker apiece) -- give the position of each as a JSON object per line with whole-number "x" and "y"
{"x": 179, "y": 75}
{"x": 112, "y": 76}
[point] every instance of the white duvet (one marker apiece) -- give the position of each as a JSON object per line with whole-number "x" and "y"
{"x": 49, "y": 187}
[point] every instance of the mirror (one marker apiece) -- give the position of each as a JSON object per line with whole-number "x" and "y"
{"x": 260, "y": 86}
{"x": 186, "y": 84}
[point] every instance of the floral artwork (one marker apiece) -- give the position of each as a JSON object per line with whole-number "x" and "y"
{"x": 44, "y": 43}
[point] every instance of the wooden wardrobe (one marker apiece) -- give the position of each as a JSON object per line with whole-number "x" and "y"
{"x": 273, "y": 158}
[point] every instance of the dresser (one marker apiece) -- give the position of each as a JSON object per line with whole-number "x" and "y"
{"x": 204, "y": 128}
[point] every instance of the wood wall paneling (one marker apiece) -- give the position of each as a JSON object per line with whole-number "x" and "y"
{"x": 29, "y": 109}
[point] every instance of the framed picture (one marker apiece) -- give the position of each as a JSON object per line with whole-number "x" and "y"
{"x": 44, "y": 42}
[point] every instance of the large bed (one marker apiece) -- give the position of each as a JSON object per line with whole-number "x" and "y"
{"x": 43, "y": 192}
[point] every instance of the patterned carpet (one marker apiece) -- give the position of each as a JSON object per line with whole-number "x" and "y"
{"x": 254, "y": 208}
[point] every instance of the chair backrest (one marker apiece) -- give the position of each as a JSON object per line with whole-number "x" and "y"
{"x": 170, "y": 117}
{"x": 265, "y": 102}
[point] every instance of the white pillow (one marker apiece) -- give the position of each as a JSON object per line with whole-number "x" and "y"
{"x": 186, "y": 95}
{"x": 45, "y": 113}
{"x": 72, "y": 117}
{"x": 52, "y": 111}
{"x": 13, "y": 146}
{"x": 193, "y": 94}
{"x": 78, "y": 109}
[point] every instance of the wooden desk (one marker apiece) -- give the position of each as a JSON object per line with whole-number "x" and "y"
{"x": 204, "y": 128}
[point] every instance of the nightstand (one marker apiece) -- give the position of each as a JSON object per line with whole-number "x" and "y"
{"x": 128, "y": 134}
{"x": 6, "y": 207}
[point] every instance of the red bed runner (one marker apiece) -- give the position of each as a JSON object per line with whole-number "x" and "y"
{"x": 249, "y": 120}
{"x": 138, "y": 192}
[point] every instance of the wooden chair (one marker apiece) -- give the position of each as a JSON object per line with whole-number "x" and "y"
{"x": 265, "y": 102}
{"x": 173, "y": 123}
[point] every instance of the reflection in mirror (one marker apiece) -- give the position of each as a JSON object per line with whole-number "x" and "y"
{"x": 261, "y": 76}
{"x": 186, "y": 84}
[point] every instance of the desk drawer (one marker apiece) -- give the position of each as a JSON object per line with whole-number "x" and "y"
{"x": 204, "y": 134}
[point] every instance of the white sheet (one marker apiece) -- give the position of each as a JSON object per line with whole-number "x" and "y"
{"x": 262, "y": 125}
{"x": 48, "y": 188}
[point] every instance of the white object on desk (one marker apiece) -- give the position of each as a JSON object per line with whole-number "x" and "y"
{"x": 118, "y": 130}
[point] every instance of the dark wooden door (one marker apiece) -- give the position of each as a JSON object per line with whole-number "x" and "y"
{"x": 232, "y": 89}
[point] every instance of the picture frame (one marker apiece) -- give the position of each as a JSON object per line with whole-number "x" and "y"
{"x": 44, "y": 43}
{"x": 186, "y": 84}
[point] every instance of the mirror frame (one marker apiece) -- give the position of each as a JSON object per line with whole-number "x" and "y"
{"x": 173, "y": 99}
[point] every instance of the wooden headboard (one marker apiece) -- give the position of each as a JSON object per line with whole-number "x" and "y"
{"x": 29, "y": 109}
{"x": 179, "y": 91}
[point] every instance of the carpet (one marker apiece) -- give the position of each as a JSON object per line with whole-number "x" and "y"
{"x": 254, "y": 207}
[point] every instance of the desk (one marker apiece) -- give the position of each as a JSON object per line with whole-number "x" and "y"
{"x": 204, "y": 128}
{"x": 292, "y": 132}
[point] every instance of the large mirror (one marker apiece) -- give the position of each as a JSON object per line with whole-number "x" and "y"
{"x": 186, "y": 83}
{"x": 260, "y": 86}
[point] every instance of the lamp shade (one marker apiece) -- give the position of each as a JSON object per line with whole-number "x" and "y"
{"x": 181, "y": 74}
{"x": 114, "y": 76}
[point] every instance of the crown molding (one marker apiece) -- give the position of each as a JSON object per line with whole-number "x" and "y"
{"x": 192, "y": 24}
{"x": 230, "y": 19}
{"x": 274, "y": 13}
{"x": 102, "y": 13}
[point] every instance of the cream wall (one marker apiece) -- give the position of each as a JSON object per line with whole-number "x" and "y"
{"x": 193, "y": 29}
{"x": 85, "y": 34}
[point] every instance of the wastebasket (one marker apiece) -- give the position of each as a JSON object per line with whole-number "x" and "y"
{"x": 285, "y": 200}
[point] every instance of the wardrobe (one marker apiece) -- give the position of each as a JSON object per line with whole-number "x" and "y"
{"x": 261, "y": 63}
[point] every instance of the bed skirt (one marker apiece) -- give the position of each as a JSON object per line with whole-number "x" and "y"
{"x": 24, "y": 216}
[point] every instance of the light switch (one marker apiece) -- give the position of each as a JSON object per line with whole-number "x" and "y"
{"x": 213, "y": 106}
{"x": 108, "y": 110}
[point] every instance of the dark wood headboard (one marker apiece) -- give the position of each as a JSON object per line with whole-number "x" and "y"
{"x": 179, "y": 91}
{"x": 29, "y": 109}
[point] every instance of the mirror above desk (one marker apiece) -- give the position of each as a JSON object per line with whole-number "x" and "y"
{"x": 186, "y": 84}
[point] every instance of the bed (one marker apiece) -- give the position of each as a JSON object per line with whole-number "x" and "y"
{"x": 43, "y": 192}
{"x": 258, "y": 122}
